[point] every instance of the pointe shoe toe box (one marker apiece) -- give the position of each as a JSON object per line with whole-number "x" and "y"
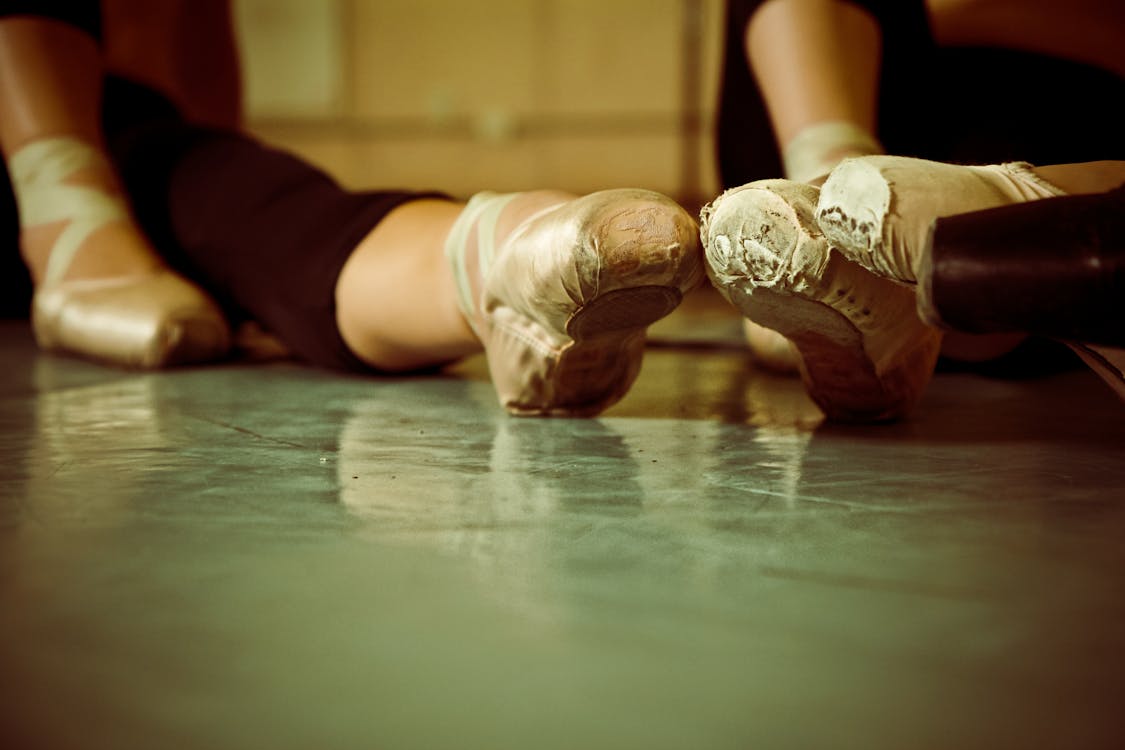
{"x": 863, "y": 353}
{"x": 152, "y": 321}
{"x": 763, "y": 234}
{"x": 574, "y": 254}
{"x": 572, "y": 291}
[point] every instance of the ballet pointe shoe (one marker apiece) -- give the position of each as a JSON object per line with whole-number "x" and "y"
{"x": 1053, "y": 268}
{"x": 145, "y": 322}
{"x": 877, "y": 210}
{"x": 562, "y": 304}
{"x": 808, "y": 157}
{"x": 865, "y": 356}
{"x": 148, "y": 320}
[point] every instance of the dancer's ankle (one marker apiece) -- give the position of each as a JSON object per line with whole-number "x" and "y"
{"x": 497, "y": 216}
{"x": 525, "y": 205}
{"x": 75, "y": 220}
{"x": 116, "y": 250}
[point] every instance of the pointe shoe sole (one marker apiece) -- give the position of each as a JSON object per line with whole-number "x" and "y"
{"x": 608, "y": 341}
{"x": 865, "y": 356}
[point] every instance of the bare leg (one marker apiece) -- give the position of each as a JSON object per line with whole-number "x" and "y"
{"x": 183, "y": 48}
{"x": 50, "y": 81}
{"x": 816, "y": 62}
{"x": 396, "y": 300}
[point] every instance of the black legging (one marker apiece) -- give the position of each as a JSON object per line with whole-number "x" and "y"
{"x": 967, "y": 105}
{"x": 263, "y": 231}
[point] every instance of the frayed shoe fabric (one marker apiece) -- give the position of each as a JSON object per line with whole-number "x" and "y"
{"x": 877, "y": 210}
{"x": 865, "y": 355}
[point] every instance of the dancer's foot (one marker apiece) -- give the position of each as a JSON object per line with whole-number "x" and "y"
{"x": 865, "y": 355}
{"x": 561, "y": 290}
{"x": 878, "y": 209}
{"x": 100, "y": 290}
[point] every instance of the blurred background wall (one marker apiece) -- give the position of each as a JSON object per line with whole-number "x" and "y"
{"x": 489, "y": 94}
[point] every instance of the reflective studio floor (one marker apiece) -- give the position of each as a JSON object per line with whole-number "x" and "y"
{"x": 263, "y": 555}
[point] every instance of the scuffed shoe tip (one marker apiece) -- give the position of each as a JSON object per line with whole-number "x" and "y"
{"x": 863, "y": 354}
{"x": 569, "y": 295}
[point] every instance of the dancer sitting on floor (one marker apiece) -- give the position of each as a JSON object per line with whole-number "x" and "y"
{"x": 557, "y": 289}
{"x": 807, "y": 83}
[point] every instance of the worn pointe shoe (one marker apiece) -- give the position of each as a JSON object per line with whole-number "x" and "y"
{"x": 562, "y": 304}
{"x": 149, "y": 320}
{"x": 1054, "y": 267}
{"x": 865, "y": 355}
{"x": 877, "y": 210}
{"x": 808, "y": 157}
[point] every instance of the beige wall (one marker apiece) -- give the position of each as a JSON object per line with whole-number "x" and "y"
{"x": 468, "y": 95}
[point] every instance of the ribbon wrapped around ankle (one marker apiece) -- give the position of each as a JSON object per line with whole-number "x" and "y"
{"x": 39, "y": 172}
{"x": 480, "y": 215}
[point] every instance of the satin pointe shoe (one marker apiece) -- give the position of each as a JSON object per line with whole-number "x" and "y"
{"x": 865, "y": 355}
{"x": 562, "y": 304}
{"x": 1054, "y": 267}
{"x": 150, "y": 320}
{"x": 877, "y": 210}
